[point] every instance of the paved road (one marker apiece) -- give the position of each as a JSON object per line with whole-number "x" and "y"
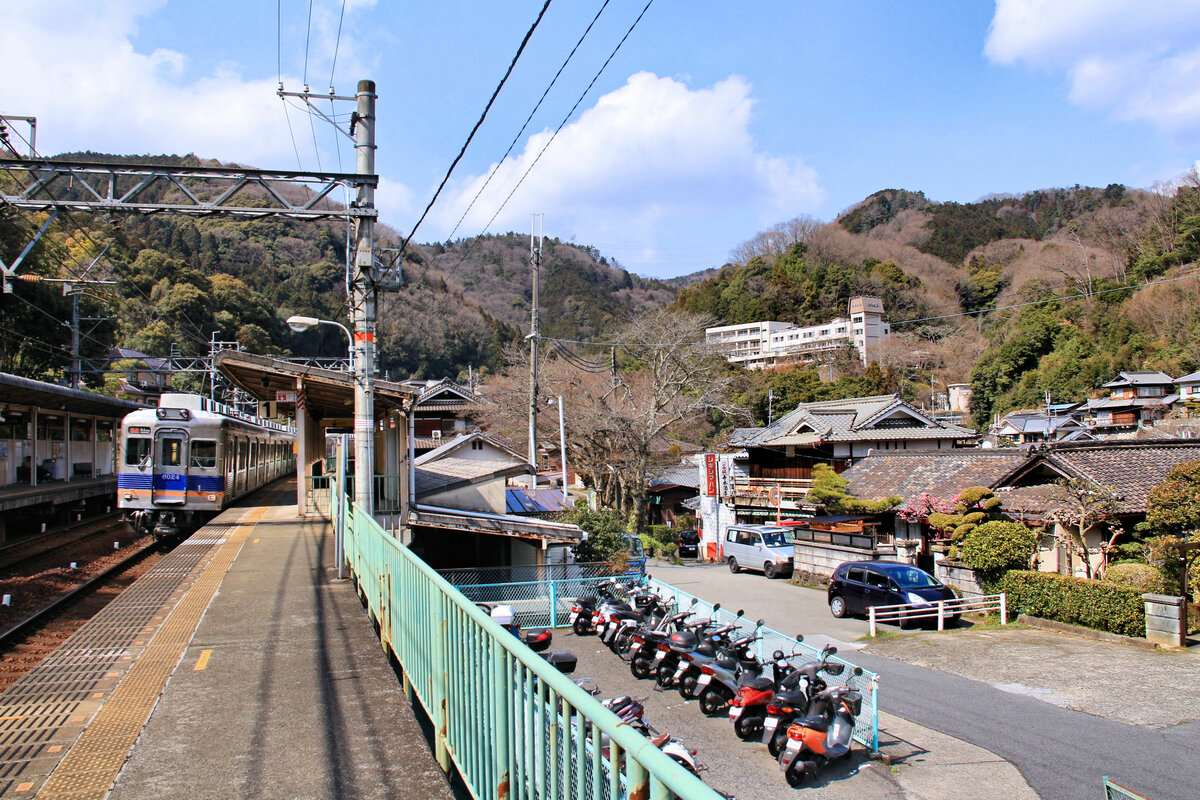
{"x": 1061, "y": 752}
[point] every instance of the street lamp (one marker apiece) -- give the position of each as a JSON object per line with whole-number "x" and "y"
{"x": 300, "y": 324}
{"x": 562, "y": 442}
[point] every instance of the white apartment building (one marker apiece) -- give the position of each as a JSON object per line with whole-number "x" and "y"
{"x": 757, "y": 345}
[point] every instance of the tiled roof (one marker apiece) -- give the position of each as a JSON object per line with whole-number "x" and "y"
{"x": 941, "y": 473}
{"x": 447, "y": 447}
{"x": 1131, "y": 468}
{"x": 850, "y": 420}
{"x": 448, "y": 472}
{"x": 1139, "y": 378}
{"x": 675, "y": 475}
{"x": 1192, "y": 378}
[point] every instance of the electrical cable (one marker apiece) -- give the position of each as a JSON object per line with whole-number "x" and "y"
{"x": 549, "y": 141}
{"x": 482, "y": 117}
{"x": 595, "y": 78}
{"x": 337, "y": 43}
{"x": 307, "y": 37}
{"x": 525, "y": 125}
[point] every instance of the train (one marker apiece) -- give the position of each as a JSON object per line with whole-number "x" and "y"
{"x": 181, "y": 464}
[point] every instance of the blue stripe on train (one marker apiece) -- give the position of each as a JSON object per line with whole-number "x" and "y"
{"x": 132, "y": 480}
{"x": 195, "y": 483}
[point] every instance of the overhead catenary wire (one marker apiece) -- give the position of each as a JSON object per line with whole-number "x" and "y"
{"x": 568, "y": 116}
{"x": 462, "y": 151}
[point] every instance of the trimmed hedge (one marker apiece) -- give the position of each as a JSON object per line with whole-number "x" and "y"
{"x": 1076, "y": 601}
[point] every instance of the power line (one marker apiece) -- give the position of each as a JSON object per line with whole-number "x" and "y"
{"x": 337, "y": 43}
{"x": 536, "y": 106}
{"x": 1044, "y": 301}
{"x": 307, "y": 37}
{"x": 482, "y": 117}
{"x": 592, "y": 83}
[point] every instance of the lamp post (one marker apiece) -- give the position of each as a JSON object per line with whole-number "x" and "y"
{"x": 300, "y": 324}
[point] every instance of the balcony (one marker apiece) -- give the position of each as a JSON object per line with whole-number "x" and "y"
{"x": 791, "y": 490}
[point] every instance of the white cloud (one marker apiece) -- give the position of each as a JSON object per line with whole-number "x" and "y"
{"x": 1139, "y": 60}
{"x": 649, "y": 160}
{"x": 73, "y": 65}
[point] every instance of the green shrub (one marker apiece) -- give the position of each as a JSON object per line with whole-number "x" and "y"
{"x": 1101, "y": 605}
{"x": 658, "y": 549}
{"x": 660, "y": 533}
{"x": 998, "y": 546}
{"x": 1142, "y": 577}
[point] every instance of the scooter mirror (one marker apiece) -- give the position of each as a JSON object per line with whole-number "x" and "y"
{"x": 761, "y": 622}
{"x": 716, "y": 607}
{"x": 777, "y": 655}
{"x": 831, "y": 651}
{"x": 741, "y": 613}
{"x": 799, "y": 637}
{"x": 857, "y": 671}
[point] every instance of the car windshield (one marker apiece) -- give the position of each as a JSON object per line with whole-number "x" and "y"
{"x": 913, "y": 578}
{"x": 775, "y": 539}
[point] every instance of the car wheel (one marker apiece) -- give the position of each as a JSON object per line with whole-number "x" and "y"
{"x": 733, "y": 565}
{"x": 770, "y": 571}
{"x": 837, "y": 606}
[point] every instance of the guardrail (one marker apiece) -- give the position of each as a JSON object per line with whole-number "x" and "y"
{"x": 1115, "y": 791}
{"x": 866, "y": 726}
{"x": 905, "y": 612}
{"x": 509, "y": 722}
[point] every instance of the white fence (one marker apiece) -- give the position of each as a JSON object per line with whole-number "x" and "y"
{"x": 942, "y": 609}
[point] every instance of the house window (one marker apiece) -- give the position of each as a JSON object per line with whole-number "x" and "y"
{"x": 476, "y": 445}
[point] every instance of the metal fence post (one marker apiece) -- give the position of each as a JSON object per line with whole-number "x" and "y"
{"x": 553, "y": 604}
{"x": 1003, "y": 609}
{"x": 871, "y": 611}
{"x": 941, "y": 615}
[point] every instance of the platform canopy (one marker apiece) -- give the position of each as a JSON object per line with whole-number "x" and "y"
{"x": 18, "y": 391}
{"x": 328, "y": 394}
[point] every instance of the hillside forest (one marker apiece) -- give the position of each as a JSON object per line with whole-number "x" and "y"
{"x": 1051, "y": 291}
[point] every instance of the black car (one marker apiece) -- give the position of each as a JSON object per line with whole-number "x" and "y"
{"x": 858, "y": 585}
{"x": 689, "y": 544}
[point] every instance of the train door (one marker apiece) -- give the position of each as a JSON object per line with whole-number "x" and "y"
{"x": 170, "y": 468}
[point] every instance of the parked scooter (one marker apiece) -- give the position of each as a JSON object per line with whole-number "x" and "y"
{"x": 720, "y": 679}
{"x": 798, "y": 698}
{"x": 584, "y": 607}
{"x": 748, "y": 709}
{"x": 679, "y": 665}
{"x": 645, "y": 642}
{"x": 538, "y": 641}
{"x": 649, "y": 612}
{"x": 816, "y": 740}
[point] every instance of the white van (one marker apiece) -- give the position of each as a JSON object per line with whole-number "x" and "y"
{"x": 763, "y": 548}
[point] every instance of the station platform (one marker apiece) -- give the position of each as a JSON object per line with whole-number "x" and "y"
{"x": 240, "y": 666}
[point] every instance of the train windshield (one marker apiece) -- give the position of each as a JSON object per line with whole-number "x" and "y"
{"x": 172, "y": 452}
{"x": 204, "y": 454}
{"x": 137, "y": 451}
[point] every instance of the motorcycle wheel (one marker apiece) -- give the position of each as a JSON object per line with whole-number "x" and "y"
{"x": 640, "y": 667}
{"x": 687, "y": 686}
{"x": 713, "y": 702}
{"x": 795, "y": 774}
{"x": 665, "y": 677}
{"x": 582, "y": 626}
{"x": 623, "y": 646}
{"x": 748, "y": 727}
{"x": 776, "y": 743}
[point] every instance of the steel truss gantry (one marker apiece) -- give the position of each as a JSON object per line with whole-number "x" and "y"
{"x": 45, "y": 184}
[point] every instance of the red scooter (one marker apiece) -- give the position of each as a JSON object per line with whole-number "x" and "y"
{"x": 748, "y": 708}
{"x": 815, "y": 741}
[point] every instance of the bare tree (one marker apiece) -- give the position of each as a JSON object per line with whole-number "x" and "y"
{"x": 776, "y": 240}
{"x": 1085, "y": 504}
{"x": 667, "y": 376}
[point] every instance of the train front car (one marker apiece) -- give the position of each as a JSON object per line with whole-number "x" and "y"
{"x": 185, "y": 461}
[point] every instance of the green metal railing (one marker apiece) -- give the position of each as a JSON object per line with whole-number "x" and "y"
{"x": 540, "y": 595}
{"x": 1115, "y": 791}
{"x": 511, "y": 724}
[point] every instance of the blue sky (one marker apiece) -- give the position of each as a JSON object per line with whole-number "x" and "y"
{"x": 714, "y": 120}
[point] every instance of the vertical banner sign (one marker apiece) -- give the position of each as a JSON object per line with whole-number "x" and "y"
{"x": 710, "y": 474}
{"x": 725, "y": 477}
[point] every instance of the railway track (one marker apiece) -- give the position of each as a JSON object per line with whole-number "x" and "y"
{"x": 64, "y": 606}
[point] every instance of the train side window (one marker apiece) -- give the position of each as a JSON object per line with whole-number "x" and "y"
{"x": 137, "y": 451}
{"x": 204, "y": 454}
{"x": 172, "y": 452}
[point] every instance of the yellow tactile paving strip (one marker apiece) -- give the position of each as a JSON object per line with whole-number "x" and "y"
{"x": 92, "y": 764}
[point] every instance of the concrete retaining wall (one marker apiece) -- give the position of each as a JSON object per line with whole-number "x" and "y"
{"x": 820, "y": 560}
{"x": 961, "y": 577}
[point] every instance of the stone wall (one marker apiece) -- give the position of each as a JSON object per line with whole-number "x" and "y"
{"x": 961, "y": 577}
{"x": 1166, "y": 619}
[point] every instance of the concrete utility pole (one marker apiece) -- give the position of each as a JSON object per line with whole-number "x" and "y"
{"x": 362, "y": 303}
{"x": 535, "y": 259}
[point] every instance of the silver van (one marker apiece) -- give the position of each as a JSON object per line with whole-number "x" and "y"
{"x": 763, "y": 548}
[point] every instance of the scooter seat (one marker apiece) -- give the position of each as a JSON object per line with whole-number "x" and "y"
{"x": 586, "y": 600}
{"x": 707, "y": 649}
{"x": 727, "y": 663}
{"x": 814, "y": 723}
{"x": 757, "y": 684}
{"x": 794, "y": 699}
